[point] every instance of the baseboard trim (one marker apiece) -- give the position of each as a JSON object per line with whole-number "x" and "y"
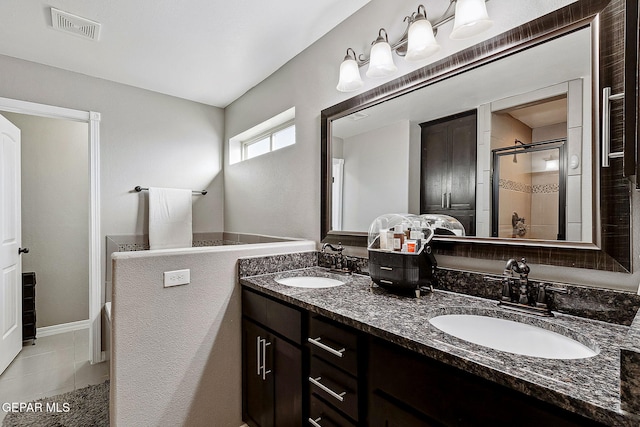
{"x": 62, "y": 328}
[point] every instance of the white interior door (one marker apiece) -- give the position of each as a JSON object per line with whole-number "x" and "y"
{"x": 10, "y": 240}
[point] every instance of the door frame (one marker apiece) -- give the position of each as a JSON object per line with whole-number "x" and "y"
{"x": 92, "y": 118}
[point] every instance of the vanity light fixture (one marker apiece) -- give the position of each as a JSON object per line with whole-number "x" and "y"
{"x": 471, "y": 19}
{"x": 421, "y": 40}
{"x": 350, "y": 79}
{"x": 381, "y": 62}
{"x": 417, "y": 43}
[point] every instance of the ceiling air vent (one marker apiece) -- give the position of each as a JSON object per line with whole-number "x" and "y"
{"x": 358, "y": 116}
{"x": 74, "y": 24}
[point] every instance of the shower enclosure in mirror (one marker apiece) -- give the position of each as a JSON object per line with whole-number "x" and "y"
{"x": 529, "y": 191}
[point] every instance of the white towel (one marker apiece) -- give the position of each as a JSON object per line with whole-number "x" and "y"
{"x": 170, "y": 222}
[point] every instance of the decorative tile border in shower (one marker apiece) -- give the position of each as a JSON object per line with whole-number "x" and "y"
{"x": 507, "y": 184}
{"x": 545, "y": 188}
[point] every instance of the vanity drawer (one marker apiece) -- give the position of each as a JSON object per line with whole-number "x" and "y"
{"x": 280, "y": 318}
{"x": 394, "y": 275}
{"x": 324, "y": 415}
{"x": 334, "y": 386}
{"x": 334, "y": 344}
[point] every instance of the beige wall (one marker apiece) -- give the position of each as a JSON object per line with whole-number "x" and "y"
{"x": 55, "y": 215}
{"x": 176, "y": 352}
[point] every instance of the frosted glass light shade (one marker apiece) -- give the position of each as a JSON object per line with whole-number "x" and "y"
{"x": 381, "y": 62}
{"x": 422, "y": 42}
{"x": 350, "y": 79}
{"x": 471, "y": 18}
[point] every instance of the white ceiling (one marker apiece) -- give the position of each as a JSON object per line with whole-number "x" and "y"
{"x": 542, "y": 114}
{"x": 209, "y": 51}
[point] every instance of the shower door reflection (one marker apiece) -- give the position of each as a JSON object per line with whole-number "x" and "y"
{"x": 529, "y": 191}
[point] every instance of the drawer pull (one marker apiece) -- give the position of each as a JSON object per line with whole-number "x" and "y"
{"x": 325, "y": 347}
{"x": 315, "y": 422}
{"x": 388, "y": 282}
{"x": 386, "y": 268}
{"x": 316, "y": 382}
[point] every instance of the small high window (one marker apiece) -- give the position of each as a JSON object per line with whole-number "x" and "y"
{"x": 270, "y": 135}
{"x": 277, "y": 138}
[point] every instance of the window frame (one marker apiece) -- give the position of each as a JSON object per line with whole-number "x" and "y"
{"x": 244, "y": 145}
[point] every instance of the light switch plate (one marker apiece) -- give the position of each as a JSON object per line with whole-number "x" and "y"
{"x": 177, "y": 277}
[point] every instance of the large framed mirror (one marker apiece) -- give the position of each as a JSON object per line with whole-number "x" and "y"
{"x": 537, "y": 84}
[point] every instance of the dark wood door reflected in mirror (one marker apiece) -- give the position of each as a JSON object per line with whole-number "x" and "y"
{"x": 595, "y": 232}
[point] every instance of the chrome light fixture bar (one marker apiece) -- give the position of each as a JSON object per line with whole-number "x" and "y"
{"x": 417, "y": 43}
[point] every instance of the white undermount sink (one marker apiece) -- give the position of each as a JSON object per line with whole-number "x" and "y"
{"x": 512, "y": 337}
{"x": 309, "y": 282}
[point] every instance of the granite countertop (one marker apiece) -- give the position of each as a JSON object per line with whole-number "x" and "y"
{"x": 590, "y": 387}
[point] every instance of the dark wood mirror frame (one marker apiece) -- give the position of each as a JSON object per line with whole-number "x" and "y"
{"x": 617, "y": 46}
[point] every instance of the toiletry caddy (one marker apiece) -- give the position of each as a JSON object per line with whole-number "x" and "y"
{"x": 400, "y": 255}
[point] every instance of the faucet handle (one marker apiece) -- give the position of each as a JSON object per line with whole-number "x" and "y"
{"x": 523, "y": 267}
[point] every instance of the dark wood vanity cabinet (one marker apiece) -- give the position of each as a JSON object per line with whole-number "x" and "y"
{"x": 302, "y": 369}
{"x": 335, "y": 384}
{"x": 448, "y": 168}
{"x": 271, "y": 362}
{"x": 298, "y": 368}
{"x": 410, "y": 390}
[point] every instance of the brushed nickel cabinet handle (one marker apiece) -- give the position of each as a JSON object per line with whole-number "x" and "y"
{"x": 258, "y": 358}
{"x": 337, "y": 396}
{"x": 317, "y": 343}
{"x": 264, "y": 359}
{"x": 386, "y": 268}
{"x": 315, "y": 422}
{"x": 606, "y": 126}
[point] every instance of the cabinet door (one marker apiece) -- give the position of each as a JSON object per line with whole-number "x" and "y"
{"x": 431, "y": 390}
{"x": 433, "y": 167}
{"x": 287, "y": 369}
{"x": 258, "y": 385}
{"x": 272, "y": 379}
{"x": 448, "y": 168}
{"x": 462, "y": 148}
{"x": 384, "y": 413}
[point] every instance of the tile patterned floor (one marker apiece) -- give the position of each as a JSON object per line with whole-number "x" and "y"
{"x": 56, "y": 364}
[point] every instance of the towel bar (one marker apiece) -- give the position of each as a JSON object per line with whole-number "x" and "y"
{"x": 139, "y": 189}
